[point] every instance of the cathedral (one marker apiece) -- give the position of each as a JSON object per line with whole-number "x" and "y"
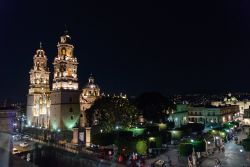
{"x": 63, "y": 106}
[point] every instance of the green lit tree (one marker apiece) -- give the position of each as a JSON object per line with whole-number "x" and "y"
{"x": 112, "y": 112}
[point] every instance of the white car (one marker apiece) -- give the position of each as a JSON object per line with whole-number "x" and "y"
{"x": 24, "y": 144}
{"x": 15, "y": 151}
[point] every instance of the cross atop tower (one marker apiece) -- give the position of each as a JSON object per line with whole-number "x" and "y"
{"x": 66, "y": 32}
{"x": 41, "y": 46}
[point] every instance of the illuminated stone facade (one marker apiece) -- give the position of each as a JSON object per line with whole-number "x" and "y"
{"x": 89, "y": 94}
{"x": 38, "y": 100}
{"x": 65, "y": 107}
{"x": 65, "y": 66}
{"x": 231, "y": 100}
{"x": 212, "y": 114}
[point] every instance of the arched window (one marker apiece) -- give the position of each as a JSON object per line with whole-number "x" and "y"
{"x": 63, "y": 51}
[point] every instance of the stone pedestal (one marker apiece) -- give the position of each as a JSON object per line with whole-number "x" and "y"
{"x": 88, "y": 136}
{"x": 75, "y": 136}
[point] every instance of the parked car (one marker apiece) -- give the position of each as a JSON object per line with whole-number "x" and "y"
{"x": 24, "y": 144}
{"x": 15, "y": 151}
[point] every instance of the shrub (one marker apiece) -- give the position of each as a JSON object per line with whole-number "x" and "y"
{"x": 185, "y": 149}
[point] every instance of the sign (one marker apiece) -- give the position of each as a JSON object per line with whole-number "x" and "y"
{"x": 81, "y": 136}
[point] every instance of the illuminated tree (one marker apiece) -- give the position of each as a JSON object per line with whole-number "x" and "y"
{"x": 112, "y": 113}
{"x": 141, "y": 147}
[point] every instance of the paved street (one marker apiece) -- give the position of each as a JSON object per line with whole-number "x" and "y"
{"x": 6, "y": 159}
{"x": 172, "y": 154}
{"x": 16, "y": 144}
{"x": 232, "y": 157}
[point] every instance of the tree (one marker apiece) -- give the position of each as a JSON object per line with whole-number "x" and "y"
{"x": 111, "y": 112}
{"x": 246, "y": 144}
{"x": 103, "y": 139}
{"x": 153, "y": 106}
{"x": 192, "y": 127}
{"x": 199, "y": 146}
{"x": 185, "y": 149}
{"x": 141, "y": 147}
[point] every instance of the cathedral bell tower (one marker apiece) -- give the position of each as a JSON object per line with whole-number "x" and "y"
{"x": 38, "y": 99}
{"x": 65, "y": 107}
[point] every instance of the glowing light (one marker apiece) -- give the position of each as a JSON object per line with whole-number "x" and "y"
{"x": 152, "y": 139}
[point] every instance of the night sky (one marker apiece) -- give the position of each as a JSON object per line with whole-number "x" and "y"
{"x": 131, "y": 46}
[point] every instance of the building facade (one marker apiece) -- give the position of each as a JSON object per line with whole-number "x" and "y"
{"x": 231, "y": 100}
{"x": 38, "y": 98}
{"x": 246, "y": 117}
{"x": 180, "y": 115}
{"x": 212, "y": 114}
{"x": 88, "y": 96}
{"x": 65, "y": 106}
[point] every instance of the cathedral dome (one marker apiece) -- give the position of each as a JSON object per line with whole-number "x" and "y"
{"x": 230, "y": 98}
{"x": 91, "y": 84}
